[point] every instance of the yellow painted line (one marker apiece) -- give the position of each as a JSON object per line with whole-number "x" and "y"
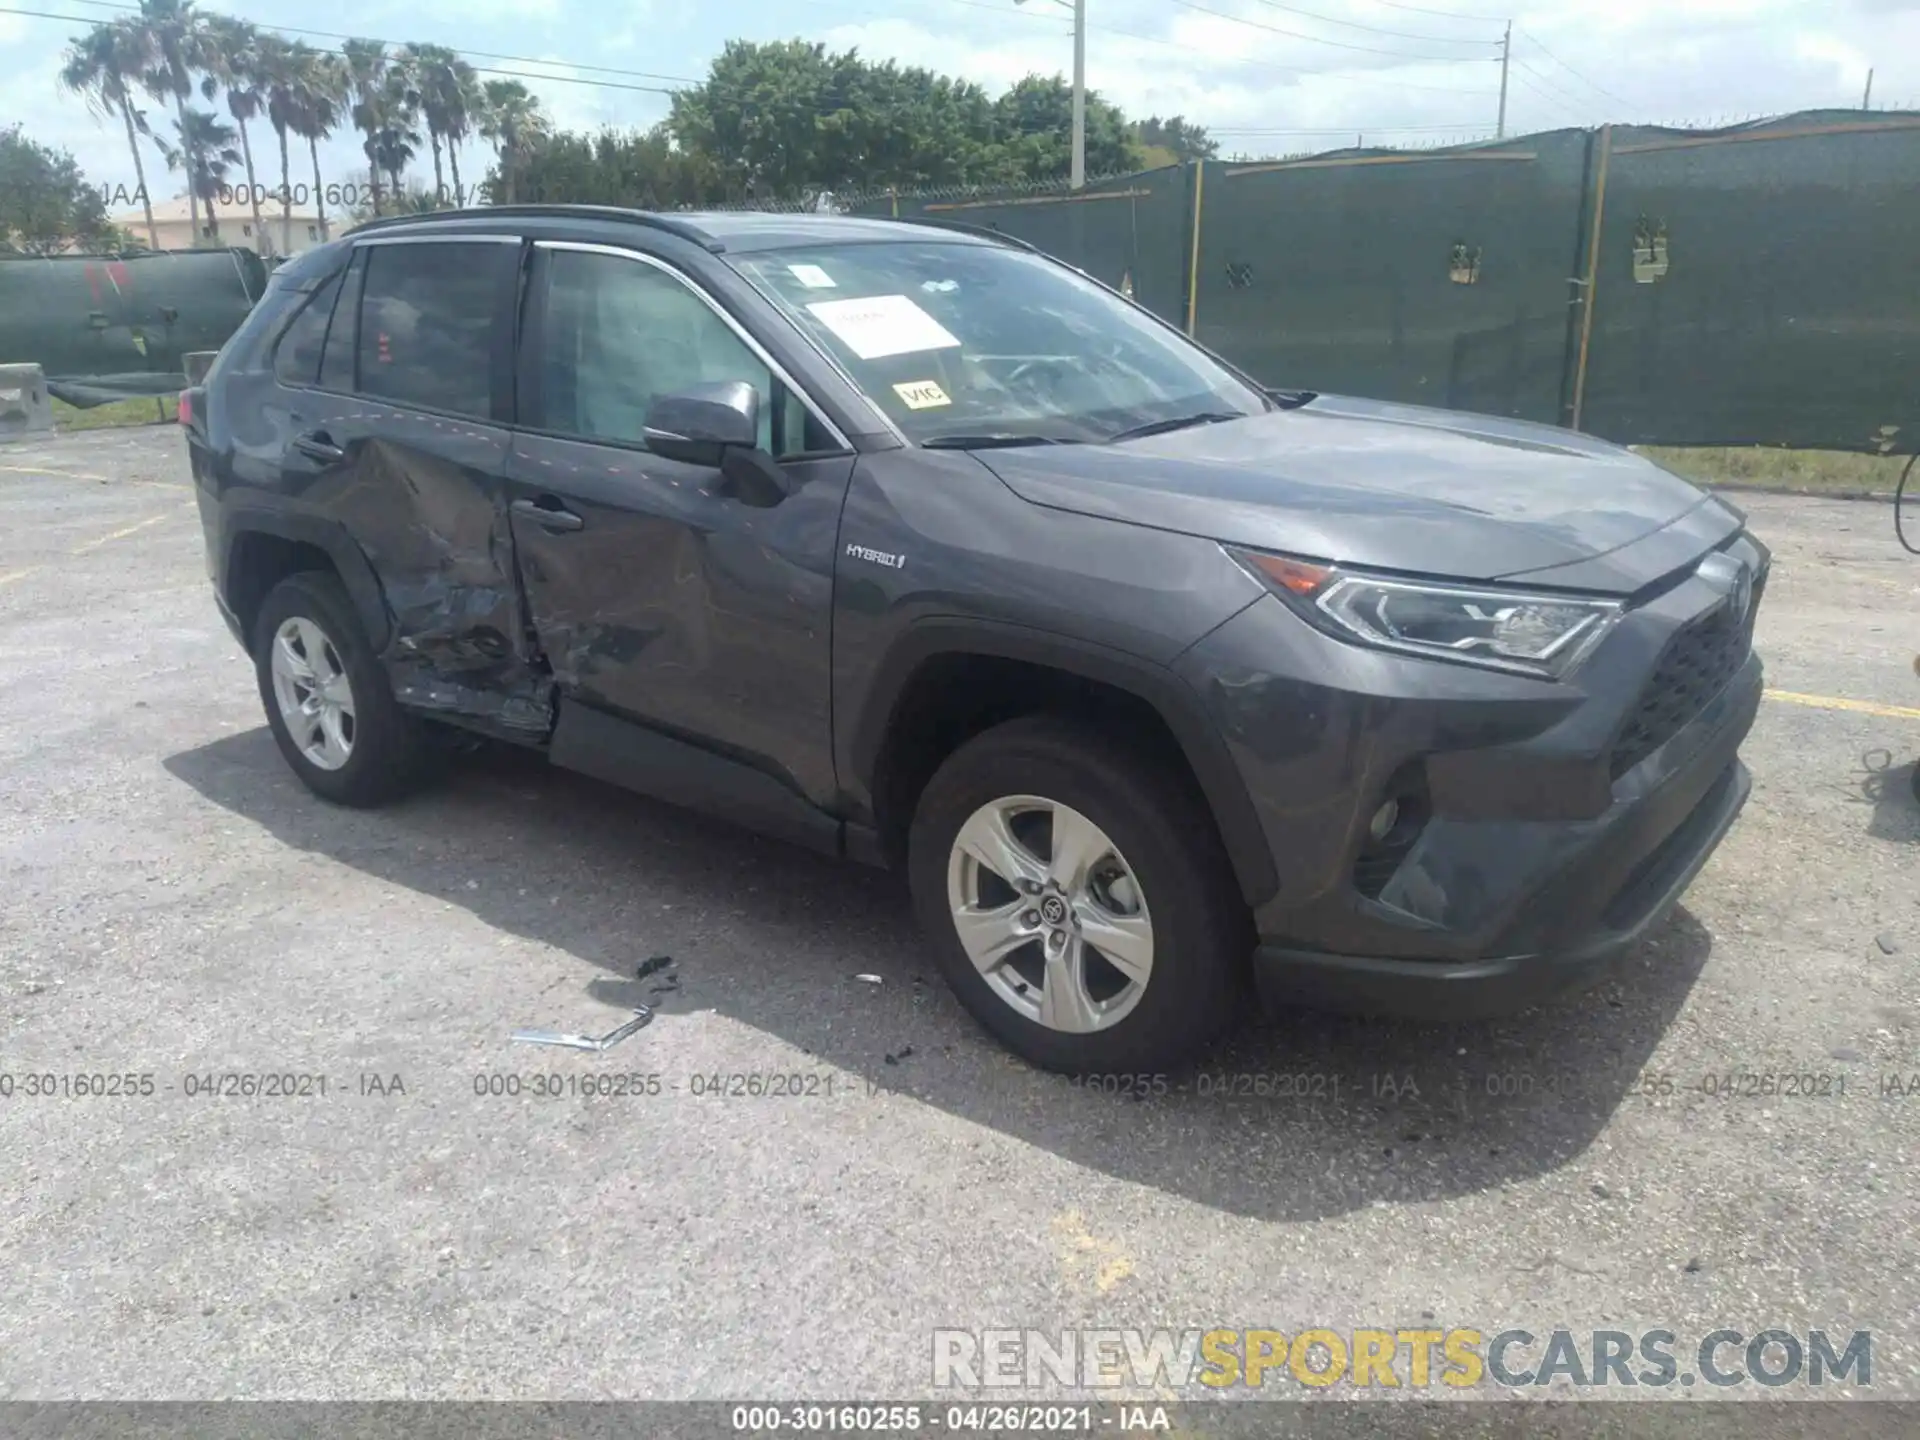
{"x": 116, "y": 535}
{"x": 85, "y": 475}
{"x": 12, "y": 575}
{"x": 1834, "y": 702}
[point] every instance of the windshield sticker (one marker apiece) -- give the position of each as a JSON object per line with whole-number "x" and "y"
{"x": 812, "y": 276}
{"x": 921, "y": 395}
{"x": 882, "y": 325}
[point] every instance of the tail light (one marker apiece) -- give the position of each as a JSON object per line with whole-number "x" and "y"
{"x": 185, "y": 412}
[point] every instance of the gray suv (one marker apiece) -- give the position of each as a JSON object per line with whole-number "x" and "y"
{"x": 912, "y": 545}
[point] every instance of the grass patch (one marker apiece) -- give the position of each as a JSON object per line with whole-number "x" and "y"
{"x": 142, "y": 410}
{"x": 1810, "y": 472}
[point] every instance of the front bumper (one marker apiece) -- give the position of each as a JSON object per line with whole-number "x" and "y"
{"x": 1476, "y": 989}
{"x": 1558, "y": 829}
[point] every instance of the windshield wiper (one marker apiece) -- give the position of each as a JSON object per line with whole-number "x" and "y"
{"x": 990, "y": 442}
{"x": 1178, "y": 422}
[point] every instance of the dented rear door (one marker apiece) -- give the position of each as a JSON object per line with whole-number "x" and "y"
{"x": 406, "y": 435}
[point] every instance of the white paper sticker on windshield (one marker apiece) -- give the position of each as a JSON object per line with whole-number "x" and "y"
{"x": 921, "y": 395}
{"x": 882, "y": 325}
{"x": 812, "y": 276}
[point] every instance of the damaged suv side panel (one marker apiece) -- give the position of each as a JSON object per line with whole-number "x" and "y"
{"x": 383, "y": 406}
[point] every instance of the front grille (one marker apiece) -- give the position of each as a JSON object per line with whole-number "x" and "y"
{"x": 1696, "y": 666}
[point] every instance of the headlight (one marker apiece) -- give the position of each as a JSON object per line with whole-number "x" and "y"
{"x": 1514, "y": 630}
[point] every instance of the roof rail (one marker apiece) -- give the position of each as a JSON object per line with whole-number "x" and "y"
{"x": 576, "y": 212}
{"x": 985, "y": 231}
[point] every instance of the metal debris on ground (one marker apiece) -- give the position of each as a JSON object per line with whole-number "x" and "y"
{"x": 642, "y": 1016}
{"x": 868, "y": 979}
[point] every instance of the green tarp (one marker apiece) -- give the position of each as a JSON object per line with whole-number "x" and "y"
{"x": 1758, "y": 285}
{"x": 106, "y": 327}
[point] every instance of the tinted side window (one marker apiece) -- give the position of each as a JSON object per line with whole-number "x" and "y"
{"x": 619, "y": 333}
{"x": 296, "y": 360}
{"x": 426, "y": 325}
{"x": 336, "y": 364}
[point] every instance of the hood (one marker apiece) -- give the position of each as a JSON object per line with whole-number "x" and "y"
{"x": 1391, "y": 487}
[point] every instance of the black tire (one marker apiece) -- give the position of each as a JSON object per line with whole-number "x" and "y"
{"x": 1202, "y": 929}
{"x": 389, "y": 754}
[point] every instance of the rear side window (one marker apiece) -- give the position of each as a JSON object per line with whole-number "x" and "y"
{"x": 426, "y": 324}
{"x": 296, "y": 360}
{"x": 336, "y": 363}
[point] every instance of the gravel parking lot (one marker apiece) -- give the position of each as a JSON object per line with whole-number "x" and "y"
{"x": 176, "y": 906}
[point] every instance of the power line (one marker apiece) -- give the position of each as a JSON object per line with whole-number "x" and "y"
{"x": 1373, "y": 29}
{"x": 1573, "y": 72}
{"x": 1448, "y": 14}
{"x": 1316, "y": 40}
{"x": 1567, "y": 106}
{"x": 1318, "y": 74}
{"x": 396, "y": 44}
{"x": 1557, "y": 90}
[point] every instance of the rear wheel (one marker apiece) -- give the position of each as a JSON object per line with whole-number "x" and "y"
{"x": 1078, "y": 899}
{"x": 327, "y": 699}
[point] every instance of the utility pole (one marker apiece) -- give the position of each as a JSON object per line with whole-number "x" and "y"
{"x": 1866, "y": 100}
{"x": 1079, "y": 8}
{"x": 1079, "y": 93}
{"x": 1506, "y": 55}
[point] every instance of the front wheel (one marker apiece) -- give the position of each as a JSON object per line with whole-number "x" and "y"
{"x": 1078, "y": 898}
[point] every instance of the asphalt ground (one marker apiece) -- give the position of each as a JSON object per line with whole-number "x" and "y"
{"x": 176, "y": 909}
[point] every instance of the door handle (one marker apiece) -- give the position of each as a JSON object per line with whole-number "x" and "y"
{"x": 318, "y": 445}
{"x": 551, "y": 517}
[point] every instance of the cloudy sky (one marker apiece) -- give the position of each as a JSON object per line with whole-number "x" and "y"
{"x": 1267, "y": 77}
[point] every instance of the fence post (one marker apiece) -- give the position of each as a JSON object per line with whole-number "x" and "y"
{"x": 1193, "y": 258}
{"x": 1592, "y": 286}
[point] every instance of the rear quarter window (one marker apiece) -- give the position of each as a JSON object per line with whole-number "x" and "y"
{"x": 296, "y": 358}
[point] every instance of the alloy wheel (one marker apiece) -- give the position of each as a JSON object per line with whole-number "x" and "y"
{"x": 313, "y": 692}
{"x": 1050, "y": 913}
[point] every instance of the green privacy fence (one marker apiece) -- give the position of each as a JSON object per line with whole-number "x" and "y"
{"x": 1757, "y": 285}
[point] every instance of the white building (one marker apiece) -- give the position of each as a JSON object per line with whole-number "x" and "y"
{"x": 174, "y": 225}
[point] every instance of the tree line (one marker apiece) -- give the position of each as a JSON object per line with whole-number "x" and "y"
{"x": 783, "y": 121}
{"x": 790, "y": 121}
{"x": 395, "y": 98}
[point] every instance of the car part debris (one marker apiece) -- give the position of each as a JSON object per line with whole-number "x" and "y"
{"x": 868, "y": 979}
{"x": 642, "y": 1017}
{"x": 652, "y": 964}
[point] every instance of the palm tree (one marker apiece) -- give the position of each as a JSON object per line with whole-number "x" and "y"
{"x": 206, "y": 153}
{"x": 464, "y": 102}
{"x": 173, "y": 33}
{"x": 320, "y": 86}
{"x": 511, "y": 119}
{"x": 435, "y": 91}
{"x": 280, "y": 66}
{"x": 102, "y": 67}
{"x": 233, "y": 53}
{"x": 367, "y": 64}
{"x": 397, "y": 141}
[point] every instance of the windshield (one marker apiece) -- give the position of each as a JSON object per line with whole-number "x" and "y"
{"x": 963, "y": 342}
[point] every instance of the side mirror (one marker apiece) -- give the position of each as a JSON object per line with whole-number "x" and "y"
{"x": 698, "y": 426}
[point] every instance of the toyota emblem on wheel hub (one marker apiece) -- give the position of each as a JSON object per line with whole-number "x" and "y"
{"x": 1053, "y": 910}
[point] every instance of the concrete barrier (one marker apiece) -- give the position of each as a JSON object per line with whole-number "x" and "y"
{"x": 196, "y": 363}
{"x": 25, "y": 406}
